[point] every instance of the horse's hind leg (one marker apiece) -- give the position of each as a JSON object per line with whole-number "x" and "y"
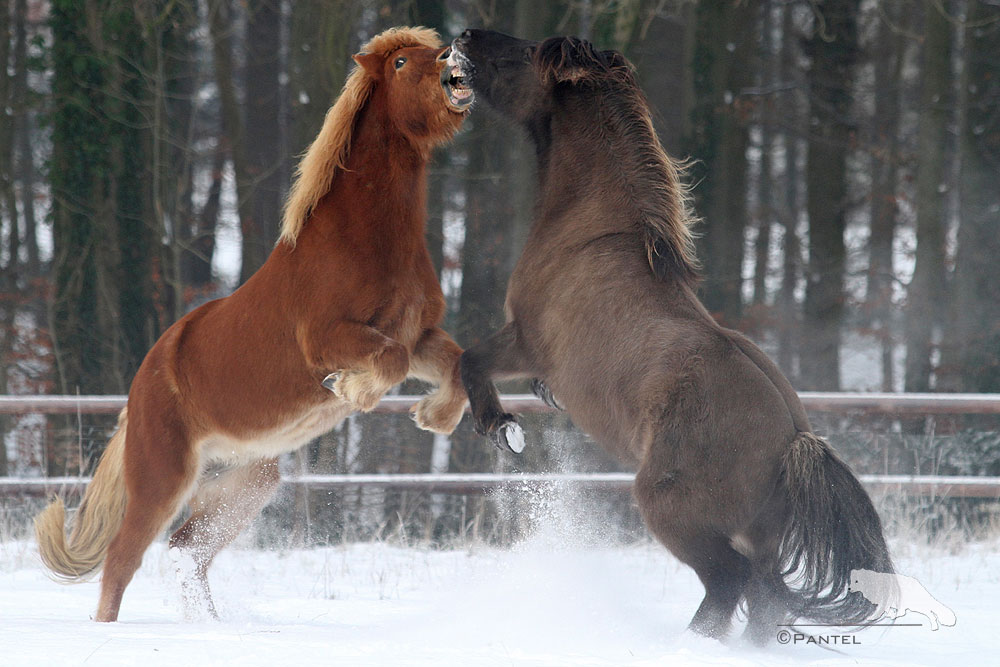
{"x": 724, "y": 573}
{"x": 769, "y": 601}
{"x": 679, "y": 525}
{"x": 224, "y": 503}
{"x": 157, "y": 483}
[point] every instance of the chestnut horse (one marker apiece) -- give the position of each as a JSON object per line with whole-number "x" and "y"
{"x": 601, "y": 310}
{"x": 346, "y": 306}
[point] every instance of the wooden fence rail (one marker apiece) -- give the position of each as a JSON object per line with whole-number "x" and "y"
{"x": 883, "y": 403}
{"x": 871, "y": 403}
{"x": 482, "y": 483}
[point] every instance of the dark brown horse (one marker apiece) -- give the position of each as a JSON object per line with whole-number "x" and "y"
{"x": 601, "y": 310}
{"x": 347, "y": 303}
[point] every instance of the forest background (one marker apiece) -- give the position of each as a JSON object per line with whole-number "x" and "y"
{"x": 844, "y": 155}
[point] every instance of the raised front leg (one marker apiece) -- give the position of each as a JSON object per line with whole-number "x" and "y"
{"x": 365, "y": 363}
{"x": 499, "y": 356}
{"x": 435, "y": 359}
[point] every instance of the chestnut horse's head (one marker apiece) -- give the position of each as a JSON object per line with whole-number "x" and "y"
{"x": 519, "y": 77}
{"x": 419, "y": 94}
{"x": 424, "y": 98}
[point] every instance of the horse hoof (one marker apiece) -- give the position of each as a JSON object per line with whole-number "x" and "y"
{"x": 542, "y": 391}
{"x": 510, "y": 436}
{"x": 330, "y": 381}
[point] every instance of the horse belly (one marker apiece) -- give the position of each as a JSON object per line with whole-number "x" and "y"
{"x": 226, "y": 448}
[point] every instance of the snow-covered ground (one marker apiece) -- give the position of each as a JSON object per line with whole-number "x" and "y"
{"x": 547, "y": 601}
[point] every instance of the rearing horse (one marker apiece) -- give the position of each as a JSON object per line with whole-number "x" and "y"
{"x": 346, "y": 306}
{"x": 601, "y": 309}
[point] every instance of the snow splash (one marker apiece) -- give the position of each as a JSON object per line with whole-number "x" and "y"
{"x": 568, "y": 571}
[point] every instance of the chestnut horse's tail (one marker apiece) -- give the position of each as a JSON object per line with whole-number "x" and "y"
{"x": 96, "y": 522}
{"x": 833, "y": 529}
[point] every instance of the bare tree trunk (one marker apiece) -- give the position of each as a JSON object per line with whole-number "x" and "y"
{"x": 834, "y": 51}
{"x": 790, "y": 100}
{"x": 6, "y": 184}
{"x": 221, "y": 26}
{"x": 884, "y": 207}
{"x": 766, "y": 112}
{"x": 8, "y": 201}
{"x": 762, "y": 244}
{"x": 970, "y": 357}
{"x": 261, "y": 216}
{"x": 719, "y": 141}
{"x": 173, "y": 84}
{"x": 197, "y": 264}
{"x": 25, "y": 131}
{"x": 925, "y": 295}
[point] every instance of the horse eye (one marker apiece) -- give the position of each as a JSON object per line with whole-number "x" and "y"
{"x": 399, "y": 62}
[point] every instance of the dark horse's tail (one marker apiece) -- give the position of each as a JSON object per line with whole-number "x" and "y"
{"x": 834, "y": 529}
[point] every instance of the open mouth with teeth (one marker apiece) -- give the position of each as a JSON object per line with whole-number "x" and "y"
{"x": 453, "y": 80}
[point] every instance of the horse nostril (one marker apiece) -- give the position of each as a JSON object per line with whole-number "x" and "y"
{"x": 444, "y": 54}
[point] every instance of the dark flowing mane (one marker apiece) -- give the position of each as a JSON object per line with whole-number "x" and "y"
{"x": 651, "y": 176}
{"x": 573, "y": 59}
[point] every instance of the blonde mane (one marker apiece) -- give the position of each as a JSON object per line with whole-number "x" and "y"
{"x": 328, "y": 152}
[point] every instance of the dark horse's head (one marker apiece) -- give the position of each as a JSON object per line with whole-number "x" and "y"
{"x": 519, "y": 77}
{"x": 588, "y": 90}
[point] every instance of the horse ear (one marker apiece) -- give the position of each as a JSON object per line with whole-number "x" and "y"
{"x": 576, "y": 58}
{"x": 371, "y": 63}
{"x": 615, "y": 59}
{"x": 571, "y": 74}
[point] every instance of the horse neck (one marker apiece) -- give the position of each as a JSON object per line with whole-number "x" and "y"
{"x": 602, "y": 144}
{"x": 382, "y": 190}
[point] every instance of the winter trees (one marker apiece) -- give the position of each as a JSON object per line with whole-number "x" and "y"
{"x": 843, "y": 158}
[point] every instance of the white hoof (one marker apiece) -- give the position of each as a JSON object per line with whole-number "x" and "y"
{"x": 513, "y": 436}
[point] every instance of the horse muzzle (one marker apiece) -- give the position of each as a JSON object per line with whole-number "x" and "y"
{"x": 454, "y": 80}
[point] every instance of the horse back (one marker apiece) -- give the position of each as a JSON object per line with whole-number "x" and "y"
{"x": 631, "y": 355}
